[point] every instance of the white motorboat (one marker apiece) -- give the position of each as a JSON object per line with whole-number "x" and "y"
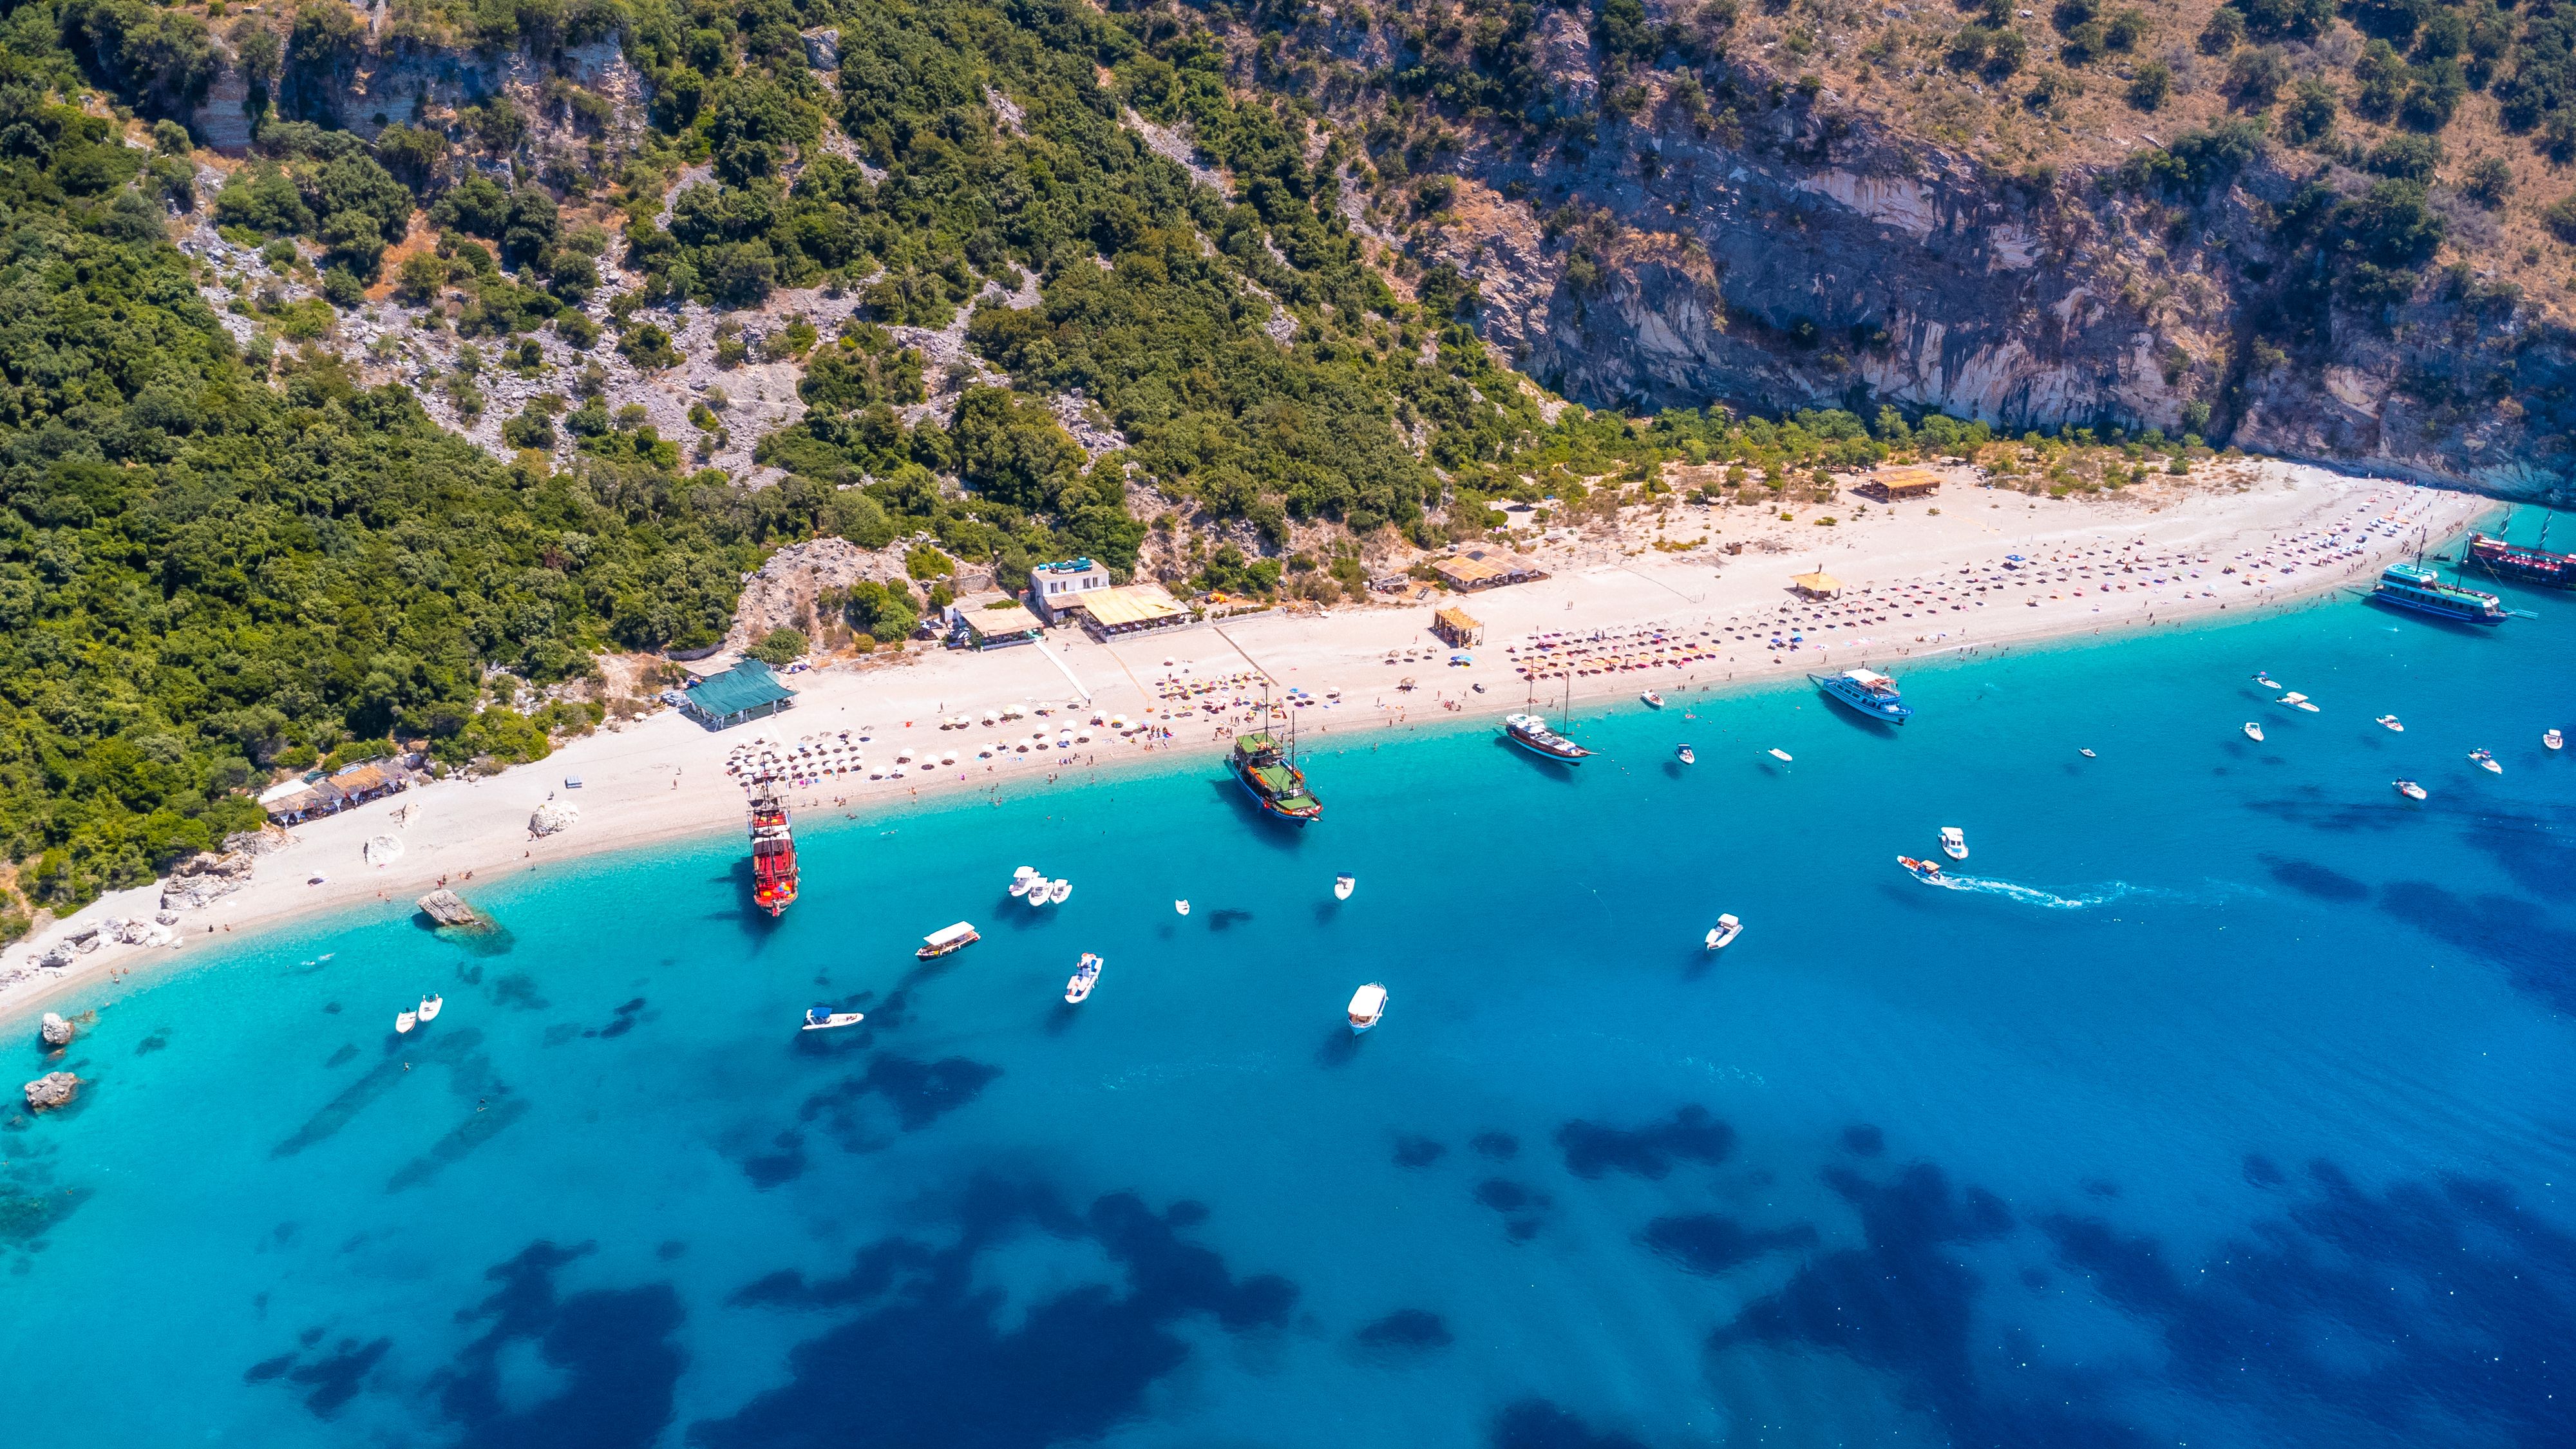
{"x": 2296, "y": 700}
{"x": 1652, "y": 699}
{"x": 2265, "y": 680}
{"x": 824, "y": 1018}
{"x": 1021, "y": 884}
{"x": 1086, "y": 974}
{"x": 2409, "y": 789}
{"x": 2553, "y": 740}
{"x": 2486, "y": 761}
{"x": 1954, "y": 842}
{"x": 1057, "y": 890}
{"x": 2389, "y": 721}
{"x": 1343, "y": 886}
{"x": 1180, "y": 908}
{"x": 2088, "y": 754}
{"x": 1725, "y": 932}
{"x": 404, "y": 1021}
{"x": 947, "y": 939}
{"x": 1685, "y": 754}
{"x": 430, "y": 1006}
{"x": 1782, "y": 756}
{"x": 1368, "y": 1007}
{"x": 2253, "y": 732}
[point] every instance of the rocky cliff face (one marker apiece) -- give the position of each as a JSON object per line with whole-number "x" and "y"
{"x": 1795, "y": 256}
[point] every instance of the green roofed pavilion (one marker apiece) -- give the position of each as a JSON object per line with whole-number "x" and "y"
{"x": 749, "y": 690}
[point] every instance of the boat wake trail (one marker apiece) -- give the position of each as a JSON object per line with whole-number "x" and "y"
{"x": 2045, "y": 900}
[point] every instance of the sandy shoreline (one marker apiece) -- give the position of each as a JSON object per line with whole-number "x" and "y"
{"x": 1935, "y": 585}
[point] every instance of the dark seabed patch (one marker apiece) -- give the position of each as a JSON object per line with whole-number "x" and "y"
{"x": 1523, "y": 1208}
{"x": 1405, "y": 1331}
{"x": 1864, "y": 1139}
{"x": 2262, "y": 1171}
{"x": 519, "y": 990}
{"x": 785, "y": 1162}
{"x": 1710, "y": 1244}
{"x": 159, "y": 1040}
{"x": 2311, "y": 879}
{"x": 916, "y": 1093}
{"x": 920, "y": 1339}
{"x": 1417, "y": 1151}
{"x": 330, "y": 1380}
{"x": 454, "y": 1050}
{"x": 486, "y": 1123}
{"x": 1538, "y": 1424}
{"x": 2537, "y": 955}
{"x": 347, "y": 1053}
{"x": 1591, "y": 1149}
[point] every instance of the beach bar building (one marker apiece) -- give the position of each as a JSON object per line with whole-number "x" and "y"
{"x": 1456, "y": 627}
{"x": 749, "y": 690}
{"x": 1482, "y": 569}
{"x": 1817, "y": 585}
{"x": 1053, "y": 587}
{"x": 1898, "y": 484}
{"x": 991, "y": 622}
{"x": 1129, "y": 609}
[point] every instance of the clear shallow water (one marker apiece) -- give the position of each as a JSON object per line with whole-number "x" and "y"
{"x": 2233, "y": 1109}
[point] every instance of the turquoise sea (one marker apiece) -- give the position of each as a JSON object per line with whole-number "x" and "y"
{"x": 2232, "y": 1101}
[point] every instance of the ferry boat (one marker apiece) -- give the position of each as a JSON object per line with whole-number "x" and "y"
{"x": 1728, "y": 928}
{"x": 1530, "y": 732}
{"x": 1266, "y": 767}
{"x": 946, "y": 939}
{"x": 1865, "y": 690}
{"x": 773, "y": 848}
{"x": 2409, "y": 789}
{"x": 1368, "y": 1007}
{"x": 2409, "y": 586}
{"x": 1928, "y": 872}
{"x": 1086, "y": 974}
{"x": 2521, "y": 564}
{"x": 824, "y": 1018}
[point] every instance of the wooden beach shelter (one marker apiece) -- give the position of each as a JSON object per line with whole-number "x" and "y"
{"x": 1456, "y": 627}
{"x": 1898, "y": 484}
{"x": 1817, "y": 585}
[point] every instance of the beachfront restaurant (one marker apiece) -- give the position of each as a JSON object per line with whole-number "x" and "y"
{"x": 750, "y": 690}
{"x": 1054, "y": 587}
{"x": 1895, "y": 485}
{"x": 1129, "y": 609}
{"x": 1480, "y": 569}
{"x": 990, "y": 621}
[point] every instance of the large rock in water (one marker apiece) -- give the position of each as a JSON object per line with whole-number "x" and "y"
{"x": 448, "y": 908}
{"x": 55, "y": 1031}
{"x": 51, "y": 1090}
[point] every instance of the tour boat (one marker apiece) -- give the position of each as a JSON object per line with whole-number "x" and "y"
{"x": 2265, "y": 680}
{"x": 1925, "y": 871}
{"x": 773, "y": 848}
{"x": 1685, "y": 754}
{"x": 1057, "y": 890}
{"x": 2390, "y": 721}
{"x": 2296, "y": 700}
{"x": 2253, "y": 732}
{"x": 2486, "y": 762}
{"x": 1343, "y": 885}
{"x": 404, "y": 1021}
{"x": 946, "y": 939}
{"x": 2410, "y": 586}
{"x": 1782, "y": 756}
{"x": 1180, "y": 908}
{"x": 2409, "y": 789}
{"x": 1530, "y": 732}
{"x": 1086, "y": 974}
{"x": 2552, "y": 739}
{"x": 1727, "y": 929}
{"x": 1954, "y": 842}
{"x": 1867, "y": 691}
{"x": 430, "y": 1006}
{"x": 2524, "y": 565}
{"x": 824, "y": 1018}
{"x": 1368, "y": 1005}
{"x": 1266, "y": 767}
{"x": 1652, "y": 699}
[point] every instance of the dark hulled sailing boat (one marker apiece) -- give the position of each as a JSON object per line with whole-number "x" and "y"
{"x": 773, "y": 848}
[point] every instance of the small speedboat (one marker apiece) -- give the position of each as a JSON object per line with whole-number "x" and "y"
{"x": 1725, "y": 932}
{"x": 2088, "y": 754}
{"x": 1954, "y": 842}
{"x": 1925, "y": 871}
{"x": 1368, "y": 1007}
{"x": 824, "y": 1018}
{"x": 2389, "y": 721}
{"x": 2296, "y": 700}
{"x": 2552, "y": 739}
{"x": 1022, "y": 882}
{"x": 1652, "y": 699}
{"x": 1086, "y": 974}
{"x": 430, "y": 1006}
{"x": 404, "y": 1021}
{"x": 2253, "y": 732}
{"x": 1782, "y": 756}
{"x": 1343, "y": 885}
{"x": 2486, "y": 761}
{"x": 1057, "y": 890}
{"x": 1684, "y": 754}
{"x": 2409, "y": 789}
{"x": 2265, "y": 680}
{"x": 1180, "y": 908}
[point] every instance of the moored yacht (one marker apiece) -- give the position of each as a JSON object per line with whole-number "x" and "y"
{"x": 431, "y": 1006}
{"x": 2390, "y": 722}
{"x": 2486, "y": 761}
{"x": 1954, "y": 842}
{"x": 1727, "y": 929}
{"x": 1867, "y": 691}
{"x": 2253, "y": 732}
{"x": 1530, "y": 732}
{"x": 1343, "y": 885}
{"x": 2419, "y": 589}
{"x": 1368, "y": 1007}
{"x": 1685, "y": 754}
{"x": 2552, "y": 740}
{"x": 2409, "y": 789}
{"x": 824, "y": 1018}
{"x": 1086, "y": 974}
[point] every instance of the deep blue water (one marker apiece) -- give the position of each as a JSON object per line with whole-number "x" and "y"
{"x": 2235, "y": 1109}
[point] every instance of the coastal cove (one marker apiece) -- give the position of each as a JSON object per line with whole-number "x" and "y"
{"x": 2223, "y": 1099}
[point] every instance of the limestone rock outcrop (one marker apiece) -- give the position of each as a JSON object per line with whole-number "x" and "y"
{"x": 447, "y": 908}
{"x": 54, "y": 1031}
{"x": 53, "y": 1089}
